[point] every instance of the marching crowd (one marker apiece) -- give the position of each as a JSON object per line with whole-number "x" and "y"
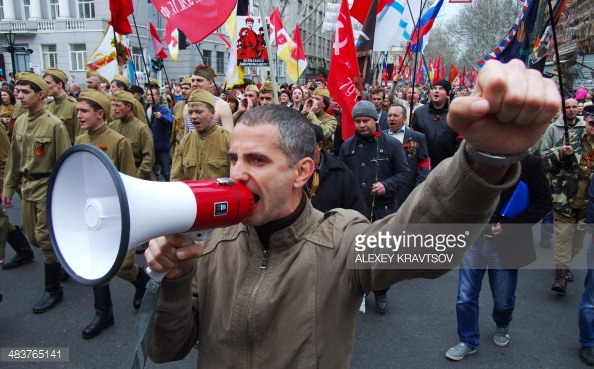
{"x": 420, "y": 154}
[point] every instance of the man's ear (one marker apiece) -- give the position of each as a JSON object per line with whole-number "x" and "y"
{"x": 303, "y": 170}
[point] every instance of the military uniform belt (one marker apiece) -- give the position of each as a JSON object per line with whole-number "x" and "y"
{"x": 36, "y": 177}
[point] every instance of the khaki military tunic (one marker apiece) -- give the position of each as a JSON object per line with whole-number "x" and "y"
{"x": 179, "y": 124}
{"x": 113, "y": 144}
{"x": 17, "y": 111}
{"x": 202, "y": 155}
{"x": 118, "y": 149}
{"x": 64, "y": 107}
{"x": 39, "y": 139}
{"x": 140, "y": 137}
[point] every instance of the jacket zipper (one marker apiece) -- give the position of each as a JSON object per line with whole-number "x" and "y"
{"x": 263, "y": 266}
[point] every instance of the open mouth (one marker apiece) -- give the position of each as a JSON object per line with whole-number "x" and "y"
{"x": 256, "y": 198}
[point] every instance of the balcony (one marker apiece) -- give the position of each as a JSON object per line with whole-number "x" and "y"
{"x": 31, "y": 27}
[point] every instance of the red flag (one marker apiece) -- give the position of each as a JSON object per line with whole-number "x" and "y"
{"x": 157, "y": 44}
{"x": 120, "y": 10}
{"x": 419, "y": 75}
{"x": 437, "y": 69}
{"x": 360, "y": 9}
{"x": 472, "y": 77}
{"x": 463, "y": 77}
{"x": 442, "y": 74}
{"x": 453, "y": 73}
{"x": 211, "y": 14}
{"x": 344, "y": 69}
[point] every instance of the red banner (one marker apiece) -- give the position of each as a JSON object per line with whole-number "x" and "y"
{"x": 344, "y": 69}
{"x": 120, "y": 10}
{"x": 196, "y": 19}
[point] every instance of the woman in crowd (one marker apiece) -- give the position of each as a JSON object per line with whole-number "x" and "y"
{"x": 8, "y": 102}
{"x": 297, "y": 97}
{"x": 284, "y": 98}
{"x": 233, "y": 102}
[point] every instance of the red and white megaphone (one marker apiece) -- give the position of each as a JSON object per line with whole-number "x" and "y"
{"x": 95, "y": 214}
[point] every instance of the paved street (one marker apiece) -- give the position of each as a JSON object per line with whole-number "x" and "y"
{"x": 415, "y": 333}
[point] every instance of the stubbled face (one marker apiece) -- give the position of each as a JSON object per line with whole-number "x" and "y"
{"x": 88, "y": 118}
{"x": 93, "y": 83}
{"x": 186, "y": 91}
{"x": 258, "y": 163}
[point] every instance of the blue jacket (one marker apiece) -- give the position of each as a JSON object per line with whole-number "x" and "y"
{"x": 161, "y": 127}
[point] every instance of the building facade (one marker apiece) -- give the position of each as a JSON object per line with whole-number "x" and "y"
{"x": 64, "y": 33}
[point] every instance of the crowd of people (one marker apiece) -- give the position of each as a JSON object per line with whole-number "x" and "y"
{"x": 420, "y": 154}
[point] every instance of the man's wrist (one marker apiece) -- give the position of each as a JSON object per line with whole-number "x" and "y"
{"x": 493, "y": 160}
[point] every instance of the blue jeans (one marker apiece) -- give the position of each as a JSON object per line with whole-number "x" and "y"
{"x": 546, "y": 227}
{"x": 162, "y": 158}
{"x": 586, "y": 312}
{"x": 480, "y": 256}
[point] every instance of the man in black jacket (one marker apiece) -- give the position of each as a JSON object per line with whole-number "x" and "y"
{"x": 332, "y": 184}
{"x": 431, "y": 120}
{"x": 505, "y": 246}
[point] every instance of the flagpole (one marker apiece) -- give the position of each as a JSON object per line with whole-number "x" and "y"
{"x": 414, "y": 79}
{"x": 269, "y": 48}
{"x": 559, "y": 74}
{"x": 139, "y": 45}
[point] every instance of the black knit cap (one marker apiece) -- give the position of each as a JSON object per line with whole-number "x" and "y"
{"x": 445, "y": 84}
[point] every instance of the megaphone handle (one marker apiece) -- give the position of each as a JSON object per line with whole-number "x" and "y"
{"x": 188, "y": 236}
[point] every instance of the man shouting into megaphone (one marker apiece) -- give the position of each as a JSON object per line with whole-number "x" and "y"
{"x": 285, "y": 274}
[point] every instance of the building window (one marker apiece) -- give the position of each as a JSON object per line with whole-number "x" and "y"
{"x": 49, "y": 56}
{"x": 207, "y": 57}
{"x": 26, "y": 5}
{"x": 137, "y": 59}
{"x": 220, "y": 62}
{"x": 2, "y": 9}
{"x": 78, "y": 57}
{"x": 86, "y": 9}
{"x": 54, "y": 9}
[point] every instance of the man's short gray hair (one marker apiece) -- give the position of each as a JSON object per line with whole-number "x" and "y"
{"x": 296, "y": 139}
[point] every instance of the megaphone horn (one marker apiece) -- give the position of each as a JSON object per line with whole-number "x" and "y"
{"x": 96, "y": 214}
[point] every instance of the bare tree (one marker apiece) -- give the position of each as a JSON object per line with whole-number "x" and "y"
{"x": 474, "y": 32}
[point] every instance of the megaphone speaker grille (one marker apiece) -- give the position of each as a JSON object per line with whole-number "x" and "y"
{"x": 88, "y": 209}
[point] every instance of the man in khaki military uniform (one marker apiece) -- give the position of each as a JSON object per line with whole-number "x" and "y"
{"x": 39, "y": 138}
{"x": 315, "y": 111}
{"x": 8, "y": 231}
{"x": 180, "y": 113}
{"x": 92, "y": 108}
{"x": 138, "y": 133}
{"x": 202, "y": 154}
{"x": 266, "y": 95}
{"x": 121, "y": 83}
{"x": 249, "y": 101}
{"x": 62, "y": 106}
{"x": 202, "y": 78}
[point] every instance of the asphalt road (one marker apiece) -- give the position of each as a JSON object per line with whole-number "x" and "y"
{"x": 418, "y": 328}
